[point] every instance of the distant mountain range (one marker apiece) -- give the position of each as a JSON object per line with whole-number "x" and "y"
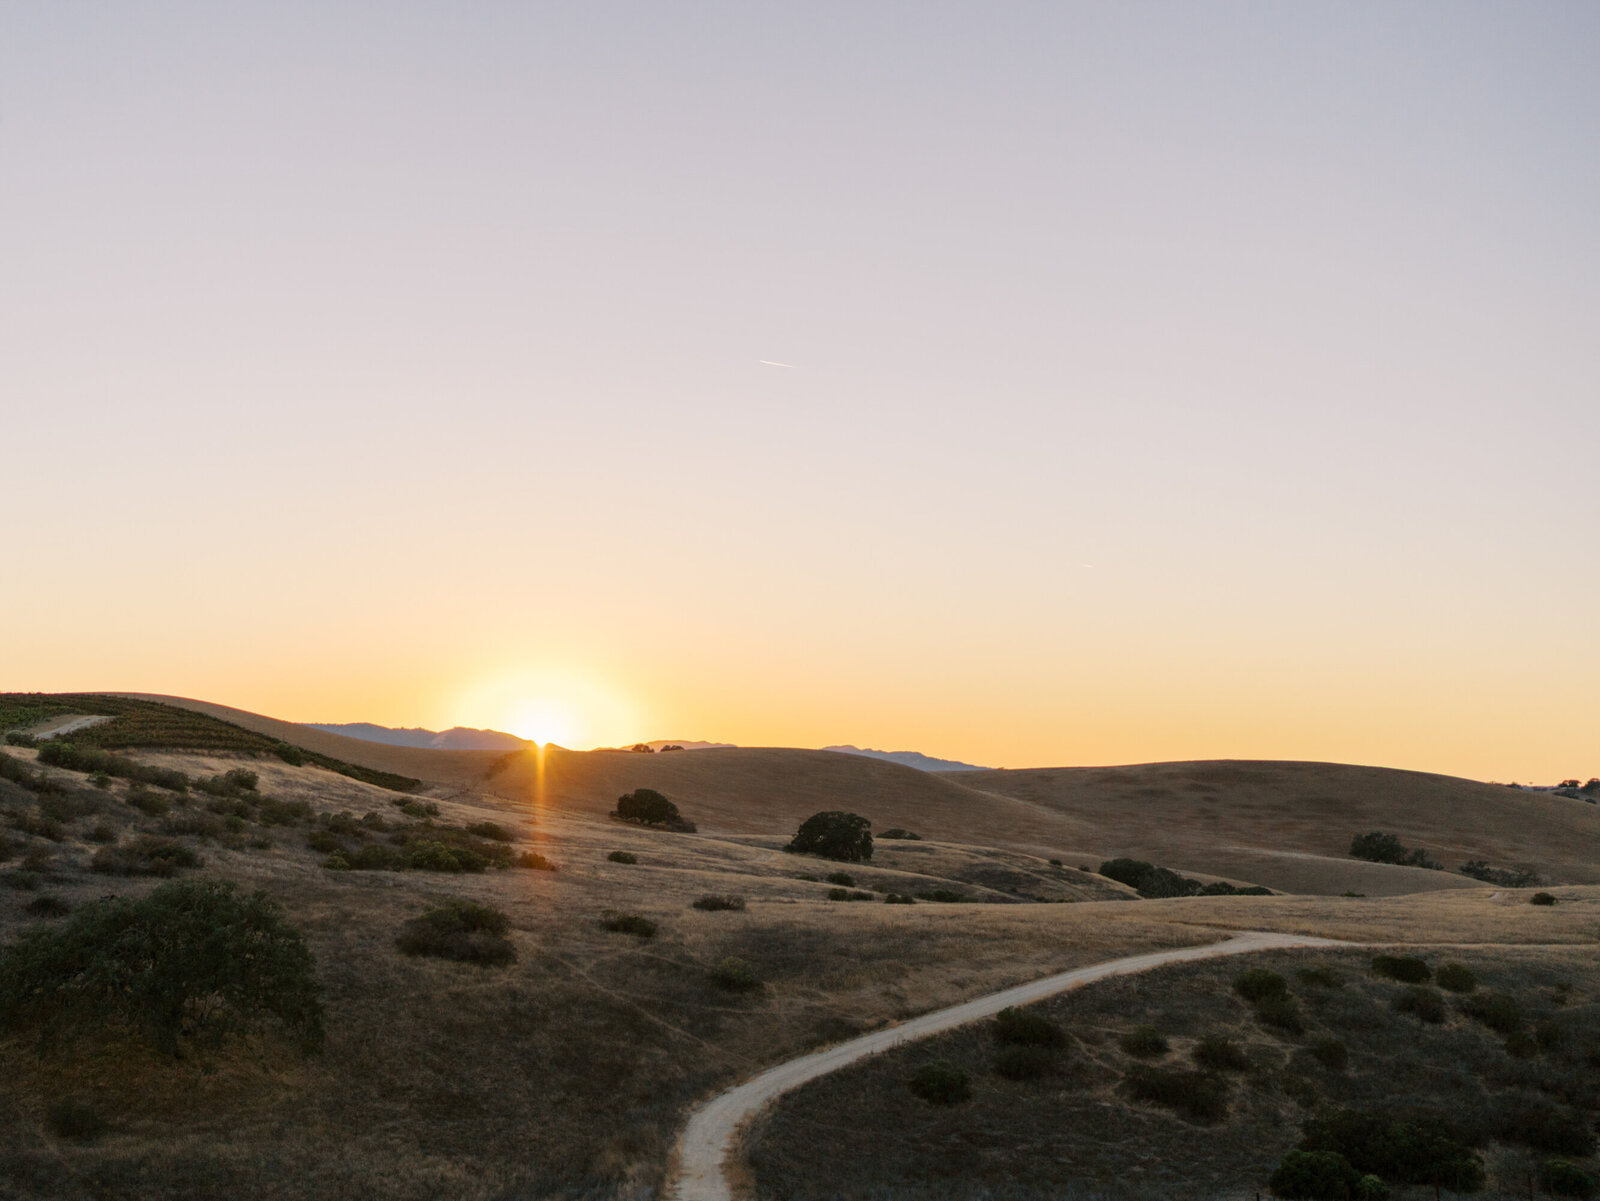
{"x": 909, "y": 759}
{"x": 460, "y": 738}
{"x": 464, "y": 738}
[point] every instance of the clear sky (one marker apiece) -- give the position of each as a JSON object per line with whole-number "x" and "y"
{"x": 1161, "y": 380}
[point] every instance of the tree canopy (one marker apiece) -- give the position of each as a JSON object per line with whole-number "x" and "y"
{"x": 834, "y": 834}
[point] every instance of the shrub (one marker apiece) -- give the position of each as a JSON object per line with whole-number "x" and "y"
{"x": 1020, "y": 1028}
{"x": 286, "y": 813}
{"x": 1024, "y": 1063}
{"x": 735, "y": 975}
{"x": 899, "y": 898}
{"x": 1545, "y": 1127}
{"x": 1314, "y": 1176}
{"x": 843, "y": 879}
{"x": 1144, "y": 1041}
{"x": 193, "y": 823}
{"x": 1126, "y": 871}
{"x": 627, "y": 923}
{"x": 1281, "y": 1013}
{"x": 491, "y": 831}
{"x": 1378, "y": 847}
{"x": 714, "y": 902}
{"x": 1331, "y": 1054}
{"x": 834, "y": 834}
{"x": 1219, "y": 1054}
{"x": 844, "y": 894}
{"x": 145, "y": 855}
{"x": 1456, "y": 977}
{"x": 1404, "y": 968}
{"x": 102, "y": 833}
{"x": 1563, "y": 1179}
{"x": 47, "y": 906}
{"x": 535, "y": 862}
{"x": 324, "y": 842}
{"x": 941, "y": 1083}
{"x": 463, "y": 931}
{"x": 429, "y": 856}
{"x": 1541, "y": 898}
{"x": 151, "y": 804}
{"x": 1258, "y": 984}
{"x": 1424, "y": 1004}
{"x": 1319, "y": 977}
{"x": 1479, "y": 869}
{"x": 622, "y": 857}
{"x": 1406, "y": 1150}
{"x": 945, "y": 896}
{"x": 194, "y": 958}
{"x": 75, "y": 1119}
{"x": 417, "y": 809}
{"x": 24, "y": 881}
{"x": 897, "y": 833}
{"x": 1197, "y": 1096}
{"x": 7, "y": 851}
{"x": 1500, "y": 1013}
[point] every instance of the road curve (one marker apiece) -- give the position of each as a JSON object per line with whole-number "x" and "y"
{"x": 706, "y": 1140}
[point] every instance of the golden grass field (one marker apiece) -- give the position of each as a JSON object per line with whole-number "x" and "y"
{"x": 569, "y": 1073}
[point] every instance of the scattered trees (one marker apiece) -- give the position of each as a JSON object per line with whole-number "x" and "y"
{"x": 1378, "y": 847}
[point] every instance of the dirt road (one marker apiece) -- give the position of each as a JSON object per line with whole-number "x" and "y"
{"x": 706, "y": 1139}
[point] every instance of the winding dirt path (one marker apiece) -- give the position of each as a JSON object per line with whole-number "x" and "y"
{"x": 707, "y": 1139}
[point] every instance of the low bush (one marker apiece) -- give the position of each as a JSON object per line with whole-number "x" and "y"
{"x": 23, "y": 881}
{"x": 38, "y": 826}
{"x": 430, "y": 856}
{"x": 102, "y": 833}
{"x": 272, "y": 812}
{"x": 1562, "y": 1178}
{"x": 1143, "y": 1041}
{"x": 713, "y": 902}
{"x": 627, "y": 923}
{"x": 1025, "y": 1062}
{"x": 899, "y": 898}
{"x": 535, "y": 862}
{"x": 897, "y": 833}
{"x": 1378, "y": 847}
{"x": 1456, "y": 977}
{"x": 1281, "y": 1013}
{"x": 1497, "y": 1011}
{"x": 1258, "y": 984}
{"x": 945, "y": 896}
{"x": 941, "y": 1083}
{"x": 1541, "y": 898}
{"x": 1479, "y": 869}
{"x": 845, "y": 894}
{"x": 491, "y": 831}
{"x": 7, "y": 851}
{"x": 1197, "y": 1096}
{"x": 147, "y": 801}
{"x": 47, "y": 906}
{"x": 193, "y": 823}
{"x": 74, "y": 1119}
{"x": 93, "y": 760}
{"x": 1319, "y": 977}
{"x": 459, "y": 930}
{"x": 1218, "y": 1054}
{"x": 324, "y": 842}
{"x": 1422, "y": 1003}
{"x": 1331, "y": 1054}
{"x": 1021, "y": 1028}
{"x": 145, "y": 855}
{"x": 421, "y": 810}
{"x": 843, "y": 879}
{"x": 1314, "y": 1176}
{"x": 1539, "y": 1124}
{"x": 622, "y": 857}
{"x": 1404, "y": 968}
{"x": 735, "y": 975}
{"x": 193, "y": 959}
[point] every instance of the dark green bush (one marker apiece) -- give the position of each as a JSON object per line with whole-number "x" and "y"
{"x": 463, "y": 931}
{"x": 1197, "y": 1096}
{"x": 1456, "y": 977}
{"x": 1021, "y": 1028}
{"x": 145, "y": 855}
{"x": 420, "y": 810}
{"x": 283, "y": 813}
{"x": 1404, "y": 1150}
{"x": 1024, "y": 1062}
{"x": 47, "y": 906}
{"x": 647, "y": 807}
{"x": 1377, "y": 847}
{"x": 1144, "y": 1041}
{"x": 1218, "y": 1054}
{"x": 627, "y": 923}
{"x": 430, "y": 856}
{"x": 102, "y": 833}
{"x": 1126, "y": 871}
{"x": 1422, "y": 1003}
{"x": 1541, "y": 898}
{"x": 1500, "y": 1013}
{"x": 1563, "y": 1179}
{"x": 899, "y": 898}
{"x": 897, "y": 833}
{"x": 945, "y": 896}
{"x": 91, "y": 759}
{"x": 735, "y": 975}
{"x": 834, "y": 834}
{"x": 623, "y": 857}
{"x": 941, "y": 1083}
{"x": 147, "y": 801}
{"x": 1331, "y": 1054}
{"x": 192, "y": 959}
{"x": 713, "y": 902}
{"x": 1258, "y": 984}
{"x": 845, "y": 894}
{"x": 1404, "y": 968}
{"x": 535, "y": 862}
{"x": 1546, "y": 1127}
{"x": 843, "y": 879}
{"x": 1281, "y": 1013}
{"x": 75, "y": 1119}
{"x": 1319, "y": 977}
{"x": 324, "y": 842}
{"x": 491, "y": 831}
{"x": 1314, "y": 1176}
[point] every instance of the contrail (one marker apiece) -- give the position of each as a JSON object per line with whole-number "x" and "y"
{"x": 770, "y": 363}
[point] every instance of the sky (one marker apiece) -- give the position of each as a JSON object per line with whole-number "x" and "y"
{"x": 1020, "y": 383}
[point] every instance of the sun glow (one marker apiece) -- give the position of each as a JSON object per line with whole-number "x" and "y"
{"x": 543, "y": 722}
{"x": 570, "y": 708}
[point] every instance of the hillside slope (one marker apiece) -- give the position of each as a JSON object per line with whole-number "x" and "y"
{"x": 1289, "y": 824}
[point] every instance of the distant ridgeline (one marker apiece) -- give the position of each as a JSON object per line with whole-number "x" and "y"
{"x": 153, "y": 726}
{"x": 459, "y": 738}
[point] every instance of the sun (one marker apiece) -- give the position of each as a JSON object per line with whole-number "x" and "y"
{"x": 543, "y": 722}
